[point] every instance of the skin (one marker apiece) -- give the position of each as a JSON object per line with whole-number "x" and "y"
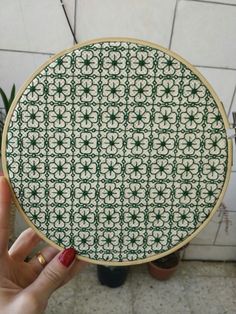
{"x": 25, "y": 287}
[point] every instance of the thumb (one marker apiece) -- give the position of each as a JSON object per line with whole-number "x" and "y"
{"x": 53, "y": 275}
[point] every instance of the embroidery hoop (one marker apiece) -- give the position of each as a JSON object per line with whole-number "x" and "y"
{"x": 201, "y": 78}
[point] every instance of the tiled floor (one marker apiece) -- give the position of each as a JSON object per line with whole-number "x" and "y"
{"x": 197, "y": 287}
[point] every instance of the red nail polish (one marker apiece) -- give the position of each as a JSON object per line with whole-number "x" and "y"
{"x": 67, "y": 256}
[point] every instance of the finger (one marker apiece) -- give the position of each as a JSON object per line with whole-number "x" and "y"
{"x": 24, "y": 244}
{"x": 53, "y": 275}
{"x": 48, "y": 253}
{"x": 5, "y": 202}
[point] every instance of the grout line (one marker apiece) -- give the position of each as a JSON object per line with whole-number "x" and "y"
{"x": 206, "y": 261}
{"x": 210, "y": 261}
{"x": 173, "y": 23}
{"x": 75, "y": 20}
{"x": 190, "y": 259}
{"x": 31, "y": 52}
{"x": 215, "y": 67}
{"x": 232, "y": 101}
{"x": 221, "y": 218}
{"x": 132, "y": 291}
{"x": 213, "y": 2}
{"x": 68, "y": 21}
{"x": 217, "y": 232}
{"x": 214, "y": 245}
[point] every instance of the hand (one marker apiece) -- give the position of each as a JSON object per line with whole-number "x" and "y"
{"x": 26, "y": 287}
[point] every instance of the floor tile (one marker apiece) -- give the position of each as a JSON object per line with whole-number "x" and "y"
{"x": 151, "y": 296}
{"x": 34, "y": 26}
{"x": 230, "y": 198}
{"x": 218, "y": 1}
{"x": 233, "y": 109}
{"x": 206, "y": 269}
{"x": 227, "y": 231}
{"x": 207, "y": 235}
{"x": 210, "y": 253}
{"x": 16, "y": 67}
{"x": 223, "y": 82}
{"x": 149, "y": 20}
{"x": 92, "y": 297}
{"x": 211, "y": 295}
{"x": 90, "y": 268}
{"x": 197, "y": 287}
{"x": 203, "y": 33}
{"x": 70, "y": 10}
{"x": 141, "y": 268}
{"x": 234, "y": 155}
{"x": 62, "y": 301}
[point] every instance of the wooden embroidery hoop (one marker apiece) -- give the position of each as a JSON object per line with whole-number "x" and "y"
{"x": 203, "y": 80}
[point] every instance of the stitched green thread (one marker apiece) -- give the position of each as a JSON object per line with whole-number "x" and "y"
{"x": 118, "y": 149}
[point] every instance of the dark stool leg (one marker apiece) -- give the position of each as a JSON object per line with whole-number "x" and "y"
{"x": 112, "y": 276}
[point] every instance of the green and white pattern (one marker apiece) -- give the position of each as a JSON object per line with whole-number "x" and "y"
{"x": 117, "y": 149}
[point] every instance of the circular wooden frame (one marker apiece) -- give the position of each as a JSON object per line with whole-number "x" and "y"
{"x": 203, "y": 80}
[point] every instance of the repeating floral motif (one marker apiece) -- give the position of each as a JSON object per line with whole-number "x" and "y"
{"x": 167, "y": 90}
{"x": 59, "y": 116}
{"x": 117, "y": 149}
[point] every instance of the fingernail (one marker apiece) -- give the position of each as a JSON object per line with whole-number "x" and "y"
{"x": 67, "y": 256}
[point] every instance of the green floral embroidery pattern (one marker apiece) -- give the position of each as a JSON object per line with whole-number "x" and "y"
{"x": 117, "y": 149}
